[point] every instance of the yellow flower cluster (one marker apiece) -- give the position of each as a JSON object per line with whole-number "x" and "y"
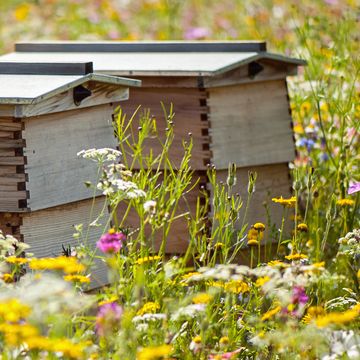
{"x": 77, "y": 278}
{"x": 69, "y": 265}
{"x": 147, "y": 259}
{"x": 313, "y": 312}
{"x": 302, "y": 227}
{"x": 269, "y": 314}
{"x": 296, "y": 257}
{"x": 236, "y": 286}
{"x": 16, "y": 260}
{"x": 285, "y": 202}
{"x": 12, "y": 310}
{"x": 261, "y": 281}
{"x": 154, "y": 352}
{"x": 339, "y": 318}
{"x": 15, "y": 334}
{"x": 189, "y": 275}
{"x": 149, "y": 308}
{"x": 64, "y": 346}
{"x": 279, "y": 263}
{"x": 345, "y": 202}
{"x": 202, "y": 298}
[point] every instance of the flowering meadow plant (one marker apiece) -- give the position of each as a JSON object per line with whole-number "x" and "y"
{"x": 242, "y": 290}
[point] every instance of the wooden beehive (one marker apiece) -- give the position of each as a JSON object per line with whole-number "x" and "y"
{"x": 232, "y": 97}
{"x": 48, "y": 113}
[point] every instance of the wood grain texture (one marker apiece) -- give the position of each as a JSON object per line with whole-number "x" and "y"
{"x": 272, "y": 181}
{"x": 56, "y": 174}
{"x": 12, "y": 177}
{"x": 47, "y": 230}
{"x": 101, "y": 94}
{"x": 240, "y": 75}
{"x": 250, "y": 125}
{"x": 188, "y": 110}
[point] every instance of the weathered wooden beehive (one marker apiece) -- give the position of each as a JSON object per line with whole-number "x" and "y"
{"x": 232, "y": 97}
{"x": 48, "y": 113}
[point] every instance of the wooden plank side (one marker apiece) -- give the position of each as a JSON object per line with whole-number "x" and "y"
{"x": 250, "y": 125}
{"x": 272, "y": 181}
{"x": 56, "y": 174}
{"x": 47, "y": 230}
{"x": 188, "y": 105}
{"x": 240, "y": 75}
{"x": 101, "y": 94}
{"x": 7, "y": 110}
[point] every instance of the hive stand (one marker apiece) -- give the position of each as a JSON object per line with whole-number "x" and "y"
{"x": 48, "y": 113}
{"x": 232, "y": 97}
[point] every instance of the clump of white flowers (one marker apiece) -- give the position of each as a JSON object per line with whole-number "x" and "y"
{"x": 115, "y": 179}
{"x": 100, "y": 155}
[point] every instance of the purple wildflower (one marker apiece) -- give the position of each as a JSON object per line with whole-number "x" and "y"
{"x": 354, "y": 187}
{"x": 299, "y": 295}
{"x": 197, "y": 33}
{"x": 108, "y": 317}
{"x": 111, "y": 242}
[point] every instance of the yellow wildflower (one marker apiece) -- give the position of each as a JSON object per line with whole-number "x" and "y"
{"x": 149, "y": 308}
{"x": 261, "y": 281}
{"x": 219, "y": 245}
{"x": 202, "y": 298}
{"x": 196, "y": 339}
{"x": 285, "y": 202}
{"x": 12, "y": 310}
{"x": 16, "y": 260}
{"x": 7, "y": 278}
{"x": 358, "y": 274}
{"x": 305, "y": 108}
{"x": 296, "y": 257}
{"x": 189, "y": 275}
{"x": 269, "y": 314}
{"x": 279, "y": 263}
{"x": 154, "y": 352}
{"x": 302, "y": 227}
{"x": 69, "y": 265}
{"x": 14, "y": 334}
{"x": 64, "y": 346}
{"x": 307, "y": 319}
{"x": 259, "y": 226}
{"x": 224, "y": 340}
{"x": 108, "y": 301}
{"x": 253, "y": 242}
{"x": 21, "y": 13}
{"x": 236, "y": 286}
{"x": 298, "y": 129}
{"x": 338, "y": 318}
{"x": 77, "y": 278}
{"x": 147, "y": 259}
{"x": 318, "y": 265}
{"x": 345, "y": 202}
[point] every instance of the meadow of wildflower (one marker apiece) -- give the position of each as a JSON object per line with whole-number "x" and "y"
{"x": 300, "y": 302}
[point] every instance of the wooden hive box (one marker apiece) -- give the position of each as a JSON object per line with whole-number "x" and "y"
{"x": 232, "y": 97}
{"x": 48, "y": 113}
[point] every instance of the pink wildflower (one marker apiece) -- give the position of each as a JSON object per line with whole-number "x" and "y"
{"x": 108, "y": 318}
{"x": 354, "y": 187}
{"x": 111, "y": 242}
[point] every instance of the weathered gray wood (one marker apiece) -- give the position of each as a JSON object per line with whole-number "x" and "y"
{"x": 250, "y": 125}
{"x": 56, "y": 174}
{"x": 47, "y": 230}
{"x": 101, "y": 94}
{"x": 144, "y": 46}
{"x": 32, "y": 89}
{"x": 24, "y": 68}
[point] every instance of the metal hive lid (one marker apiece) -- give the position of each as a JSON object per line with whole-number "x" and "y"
{"x": 152, "y": 58}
